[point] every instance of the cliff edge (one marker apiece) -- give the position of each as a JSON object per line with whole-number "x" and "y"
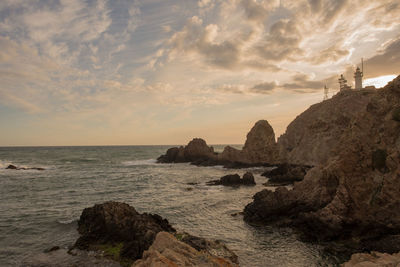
{"x": 353, "y": 192}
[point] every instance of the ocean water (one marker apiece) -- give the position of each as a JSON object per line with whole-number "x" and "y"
{"x": 40, "y": 209}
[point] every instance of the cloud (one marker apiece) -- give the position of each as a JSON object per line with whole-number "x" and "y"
{"x": 386, "y": 61}
{"x": 264, "y": 88}
{"x": 330, "y": 54}
{"x": 194, "y": 38}
{"x": 303, "y": 82}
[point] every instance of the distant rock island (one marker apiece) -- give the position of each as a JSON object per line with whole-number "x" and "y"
{"x": 260, "y": 149}
{"x": 347, "y": 149}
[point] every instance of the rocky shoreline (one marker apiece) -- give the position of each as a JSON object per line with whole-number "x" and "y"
{"x": 343, "y": 156}
{"x": 115, "y": 234}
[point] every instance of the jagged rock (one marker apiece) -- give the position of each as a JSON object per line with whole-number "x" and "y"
{"x": 260, "y": 149}
{"x": 231, "y": 179}
{"x": 196, "y": 150}
{"x": 13, "y": 167}
{"x": 285, "y": 174}
{"x": 374, "y": 259}
{"x": 353, "y": 192}
{"x": 115, "y": 223}
{"x": 260, "y": 146}
{"x": 168, "y": 251}
{"x": 234, "y": 180}
{"x": 248, "y": 179}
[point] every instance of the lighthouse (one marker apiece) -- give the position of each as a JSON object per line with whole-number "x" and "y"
{"x": 358, "y": 76}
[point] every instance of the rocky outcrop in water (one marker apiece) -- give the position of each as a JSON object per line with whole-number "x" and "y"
{"x": 285, "y": 174}
{"x": 260, "y": 149}
{"x": 116, "y": 231}
{"x": 168, "y": 251}
{"x": 353, "y": 193}
{"x": 13, "y": 167}
{"x": 118, "y": 226}
{"x": 196, "y": 150}
{"x": 234, "y": 180}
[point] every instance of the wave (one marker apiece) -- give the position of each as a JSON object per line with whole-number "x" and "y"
{"x": 67, "y": 221}
{"x": 4, "y": 164}
{"x": 140, "y": 162}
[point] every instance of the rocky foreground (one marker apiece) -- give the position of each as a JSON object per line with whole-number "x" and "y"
{"x": 115, "y": 234}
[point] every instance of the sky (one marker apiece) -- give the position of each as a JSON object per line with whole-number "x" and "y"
{"x": 147, "y": 72}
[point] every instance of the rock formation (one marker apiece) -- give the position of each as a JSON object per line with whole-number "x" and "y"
{"x": 285, "y": 174}
{"x": 374, "y": 259}
{"x": 196, "y": 150}
{"x": 118, "y": 225}
{"x": 260, "y": 149}
{"x": 168, "y": 251}
{"x": 116, "y": 231}
{"x": 13, "y": 167}
{"x": 353, "y": 193}
{"x": 234, "y": 180}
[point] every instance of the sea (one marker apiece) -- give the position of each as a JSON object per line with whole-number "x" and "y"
{"x": 40, "y": 209}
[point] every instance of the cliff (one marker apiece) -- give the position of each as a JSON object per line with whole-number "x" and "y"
{"x": 353, "y": 192}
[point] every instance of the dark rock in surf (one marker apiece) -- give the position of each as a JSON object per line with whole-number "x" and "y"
{"x": 234, "y": 180}
{"x": 248, "y": 179}
{"x": 114, "y": 222}
{"x": 285, "y": 174}
{"x": 13, "y": 167}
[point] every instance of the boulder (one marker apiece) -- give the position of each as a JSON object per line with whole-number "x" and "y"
{"x": 168, "y": 251}
{"x": 285, "y": 174}
{"x": 234, "y": 180}
{"x": 121, "y": 227}
{"x": 248, "y": 179}
{"x": 231, "y": 179}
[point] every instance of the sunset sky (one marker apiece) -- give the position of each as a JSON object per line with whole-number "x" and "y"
{"x": 164, "y": 71}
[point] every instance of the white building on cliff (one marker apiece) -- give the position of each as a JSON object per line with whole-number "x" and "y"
{"x": 358, "y": 75}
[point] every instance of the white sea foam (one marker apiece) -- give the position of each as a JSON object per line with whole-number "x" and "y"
{"x": 139, "y": 162}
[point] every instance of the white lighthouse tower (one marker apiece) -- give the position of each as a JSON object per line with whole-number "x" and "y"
{"x": 358, "y": 76}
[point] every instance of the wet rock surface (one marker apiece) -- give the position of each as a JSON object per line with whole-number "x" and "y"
{"x": 115, "y": 234}
{"x": 13, "y": 167}
{"x": 286, "y": 174}
{"x": 121, "y": 227}
{"x": 234, "y": 180}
